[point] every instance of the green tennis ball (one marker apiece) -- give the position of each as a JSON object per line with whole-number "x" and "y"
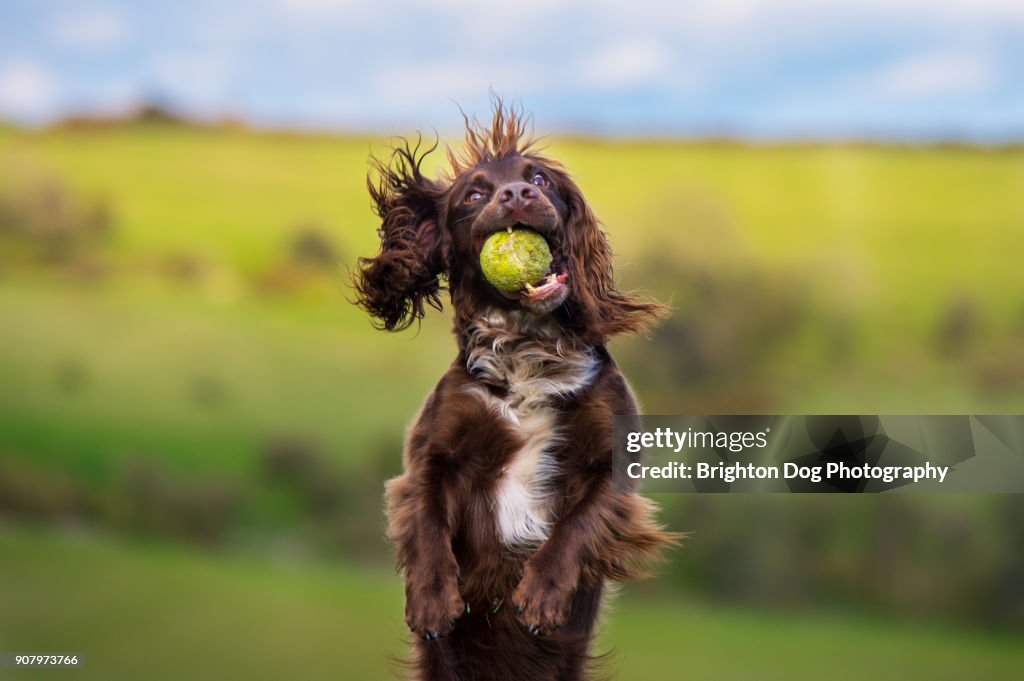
{"x": 514, "y": 258}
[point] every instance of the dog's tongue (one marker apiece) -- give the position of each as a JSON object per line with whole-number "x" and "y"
{"x": 550, "y": 287}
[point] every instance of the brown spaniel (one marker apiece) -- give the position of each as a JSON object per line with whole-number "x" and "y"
{"x": 505, "y": 520}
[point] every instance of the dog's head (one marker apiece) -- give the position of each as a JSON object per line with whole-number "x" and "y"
{"x": 434, "y": 228}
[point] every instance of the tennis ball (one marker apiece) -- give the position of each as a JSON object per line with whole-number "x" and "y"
{"x": 514, "y": 258}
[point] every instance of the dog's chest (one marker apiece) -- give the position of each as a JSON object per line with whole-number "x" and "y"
{"x": 535, "y": 371}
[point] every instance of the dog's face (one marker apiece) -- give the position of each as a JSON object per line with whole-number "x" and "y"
{"x": 435, "y": 228}
{"x": 514, "y": 191}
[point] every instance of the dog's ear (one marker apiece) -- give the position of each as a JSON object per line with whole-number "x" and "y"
{"x": 601, "y": 310}
{"x": 395, "y": 285}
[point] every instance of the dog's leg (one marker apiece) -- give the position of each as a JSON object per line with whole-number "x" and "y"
{"x": 550, "y": 578}
{"x": 603, "y": 534}
{"x": 608, "y": 534}
{"x": 420, "y": 528}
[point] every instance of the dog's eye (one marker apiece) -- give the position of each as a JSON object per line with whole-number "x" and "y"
{"x": 539, "y": 180}
{"x": 474, "y": 196}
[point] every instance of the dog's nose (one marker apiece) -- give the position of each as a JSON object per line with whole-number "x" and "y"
{"x": 517, "y": 195}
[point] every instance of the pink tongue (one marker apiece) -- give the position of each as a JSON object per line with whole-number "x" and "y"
{"x": 547, "y": 288}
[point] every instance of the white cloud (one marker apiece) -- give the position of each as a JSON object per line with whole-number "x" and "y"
{"x": 94, "y": 30}
{"x": 931, "y": 75}
{"x": 319, "y": 10}
{"x": 327, "y": 17}
{"x": 457, "y": 78}
{"x": 28, "y": 90}
{"x": 748, "y": 13}
{"x": 625, "y": 63}
{"x": 317, "y": 6}
{"x": 992, "y": 13}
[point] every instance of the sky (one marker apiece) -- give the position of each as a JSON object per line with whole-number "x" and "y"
{"x": 899, "y": 69}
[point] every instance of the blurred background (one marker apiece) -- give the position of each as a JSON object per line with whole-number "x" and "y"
{"x": 195, "y": 424}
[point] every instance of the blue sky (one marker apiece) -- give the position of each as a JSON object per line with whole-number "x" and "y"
{"x": 755, "y": 68}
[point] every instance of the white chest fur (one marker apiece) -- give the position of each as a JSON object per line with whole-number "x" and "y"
{"x": 534, "y": 364}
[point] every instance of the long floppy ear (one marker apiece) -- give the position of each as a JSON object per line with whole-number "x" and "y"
{"x": 395, "y": 285}
{"x": 600, "y": 310}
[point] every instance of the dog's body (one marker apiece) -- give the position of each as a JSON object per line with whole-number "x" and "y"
{"x": 505, "y": 521}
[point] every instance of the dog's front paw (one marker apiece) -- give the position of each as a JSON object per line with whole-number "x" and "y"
{"x": 432, "y": 605}
{"x": 542, "y": 600}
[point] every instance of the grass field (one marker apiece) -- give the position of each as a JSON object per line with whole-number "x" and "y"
{"x": 915, "y": 221}
{"x": 887, "y": 235}
{"x": 285, "y": 368}
{"x": 209, "y": 618}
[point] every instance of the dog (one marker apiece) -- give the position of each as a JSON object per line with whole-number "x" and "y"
{"x": 505, "y": 520}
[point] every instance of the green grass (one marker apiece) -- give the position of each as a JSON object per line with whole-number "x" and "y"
{"x": 689, "y": 641}
{"x": 158, "y": 613}
{"x": 885, "y": 237}
{"x": 142, "y": 611}
{"x": 286, "y": 369}
{"x": 227, "y": 196}
{"x": 905, "y": 225}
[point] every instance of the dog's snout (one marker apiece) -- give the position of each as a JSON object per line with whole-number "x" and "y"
{"x": 517, "y": 195}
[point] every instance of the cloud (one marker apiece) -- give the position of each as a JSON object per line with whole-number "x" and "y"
{"x": 318, "y": 10}
{"x": 317, "y": 6}
{"x": 457, "y": 78}
{"x": 626, "y": 63}
{"x": 934, "y": 75}
{"x": 988, "y": 12}
{"x": 94, "y": 30}
{"x": 28, "y": 90}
